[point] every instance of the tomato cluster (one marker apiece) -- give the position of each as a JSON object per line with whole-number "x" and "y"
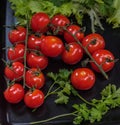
{"x": 51, "y": 38}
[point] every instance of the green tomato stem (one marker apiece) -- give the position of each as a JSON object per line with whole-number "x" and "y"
{"x": 88, "y": 53}
{"x": 25, "y": 53}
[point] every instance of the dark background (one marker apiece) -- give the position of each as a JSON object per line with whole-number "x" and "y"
{"x": 2, "y": 44}
{"x": 19, "y": 114}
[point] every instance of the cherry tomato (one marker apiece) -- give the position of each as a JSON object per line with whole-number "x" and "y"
{"x": 39, "y": 22}
{"x": 59, "y": 21}
{"x": 37, "y": 60}
{"x": 17, "y": 35}
{"x": 15, "y": 71}
{"x": 72, "y": 54}
{"x": 104, "y": 58}
{"x": 14, "y": 93}
{"x": 34, "y": 78}
{"x": 52, "y": 46}
{"x": 73, "y": 30}
{"x": 83, "y": 78}
{"x": 34, "y": 42}
{"x": 16, "y": 53}
{"x": 93, "y": 42}
{"x": 34, "y": 99}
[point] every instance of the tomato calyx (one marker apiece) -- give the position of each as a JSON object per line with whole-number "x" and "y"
{"x": 31, "y": 89}
{"x": 36, "y": 73}
{"x": 111, "y": 60}
{"x": 82, "y": 29}
{"x": 85, "y": 62}
{"x": 67, "y": 47}
{"x": 93, "y": 42}
{"x": 38, "y": 34}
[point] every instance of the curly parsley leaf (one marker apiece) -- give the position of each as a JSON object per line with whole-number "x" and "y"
{"x": 61, "y": 83}
{"x": 96, "y": 9}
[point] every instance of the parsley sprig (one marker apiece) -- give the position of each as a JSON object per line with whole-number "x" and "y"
{"x": 110, "y": 98}
{"x": 62, "y": 87}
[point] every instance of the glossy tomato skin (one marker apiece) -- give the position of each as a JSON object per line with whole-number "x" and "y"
{"x": 60, "y": 21}
{"x": 73, "y": 29}
{"x": 36, "y": 60}
{"x": 34, "y": 42}
{"x": 14, "y": 93}
{"x": 52, "y": 46}
{"x": 83, "y": 78}
{"x": 39, "y": 22}
{"x": 15, "y": 71}
{"x": 16, "y": 53}
{"x": 72, "y": 54}
{"x": 105, "y": 58}
{"x": 34, "y": 99}
{"x": 34, "y": 78}
{"x": 17, "y": 35}
{"x": 93, "y": 42}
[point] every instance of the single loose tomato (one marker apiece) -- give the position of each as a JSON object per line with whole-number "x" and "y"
{"x": 72, "y": 54}
{"x": 104, "y": 58}
{"x": 14, "y": 93}
{"x": 17, "y": 35}
{"x": 73, "y": 30}
{"x": 34, "y": 42}
{"x": 83, "y": 78}
{"x": 93, "y": 42}
{"x": 59, "y": 21}
{"x": 34, "y": 99}
{"x": 39, "y": 22}
{"x": 14, "y": 71}
{"x": 16, "y": 53}
{"x": 52, "y": 46}
{"x": 34, "y": 78}
{"x": 37, "y": 60}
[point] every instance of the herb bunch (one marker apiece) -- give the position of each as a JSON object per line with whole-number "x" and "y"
{"x": 94, "y": 110}
{"x": 95, "y": 9}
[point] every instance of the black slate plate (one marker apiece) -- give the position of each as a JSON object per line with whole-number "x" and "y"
{"x": 21, "y": 115}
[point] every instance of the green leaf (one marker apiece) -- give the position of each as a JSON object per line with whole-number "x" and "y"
{"x": 67, "y": 89}
{"x": 52, "y": 75}
{"x": 95, "y": 115}
{"x": 74, "y": 91}
{"x": 76, "y": 106}
{"x": 77, "y": 120}
{"x": 62, "y": 99}
{"x": 108, "y": 90}
{"x": 64, "y": 74}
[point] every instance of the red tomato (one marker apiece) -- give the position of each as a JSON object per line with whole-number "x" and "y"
{"x": 93, "y": 42}
{"x": 39, "y": 22}
{"x": 34, "y": 78}
{"x": 73, "y": 30}
{"x": 34, "y": 42}
{"x": 104, "y": 58}
{"x": 14, "y": 93}
{"x": 15, "y": 71}
{"x": 34, "y": 99}
{"x": 59, "y": 21}
{"x": 16, "y": 53}
{"x": 17, "y": 35}
{"x": 72, "y": 54}
{"x": 52, "y": 46}
{"x": 83, "y": 78}
{"x": 37, "y": 60}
